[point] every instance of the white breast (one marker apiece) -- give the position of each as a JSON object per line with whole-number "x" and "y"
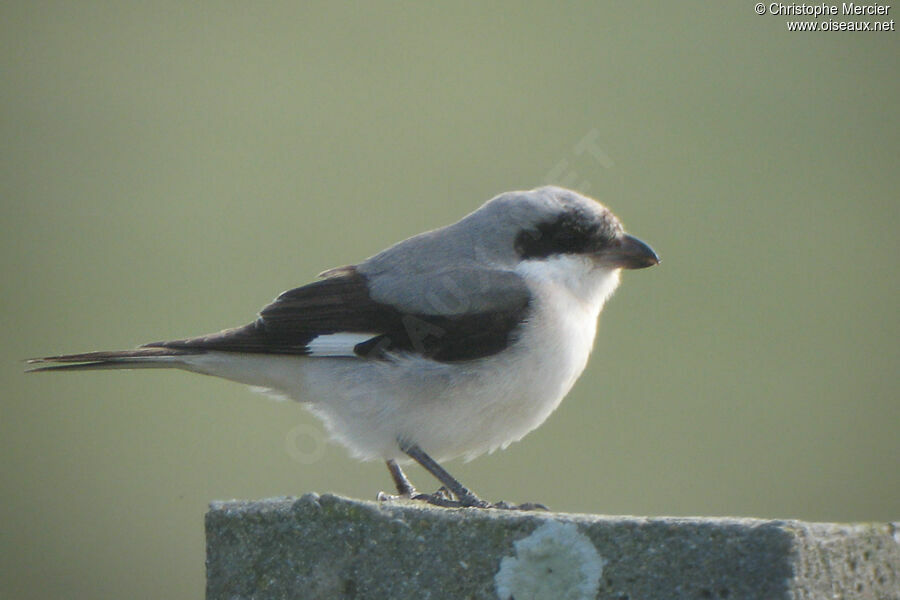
{"x": 553, "y": 351}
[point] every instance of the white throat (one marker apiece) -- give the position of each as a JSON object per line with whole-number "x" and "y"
{"x": 575, "y": 276}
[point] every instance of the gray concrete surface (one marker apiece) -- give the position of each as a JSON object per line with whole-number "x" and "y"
{"x": 331, "y": 547}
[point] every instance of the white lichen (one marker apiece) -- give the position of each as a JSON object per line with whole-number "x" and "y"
{"x": 555, "y": 562}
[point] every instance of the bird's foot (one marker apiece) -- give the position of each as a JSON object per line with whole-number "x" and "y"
{"x": 444, "y": 498}
{"x": 452, "y": 494}
{"x": 524, "y": 506}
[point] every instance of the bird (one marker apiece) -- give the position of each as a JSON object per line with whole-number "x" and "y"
{"x": 452, "y": 343}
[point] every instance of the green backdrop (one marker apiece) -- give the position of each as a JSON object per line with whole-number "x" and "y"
{"x": 168, "y": 168}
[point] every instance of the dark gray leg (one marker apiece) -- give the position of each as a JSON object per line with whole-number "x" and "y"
{"x": 407, "y": 491}
{"x": 452, "y": 494}
{"x": 464, "y": 496}
{"x": 401, "y": 481}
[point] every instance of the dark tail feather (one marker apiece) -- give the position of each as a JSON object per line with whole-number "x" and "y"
{"x": 140, "y": 358}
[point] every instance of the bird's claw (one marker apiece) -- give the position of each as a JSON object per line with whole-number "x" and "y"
{"x": 443, "y": 498}
{"x": 525, "y": 506}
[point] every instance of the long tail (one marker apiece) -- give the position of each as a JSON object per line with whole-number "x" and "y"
{"x": 139, "y": 358}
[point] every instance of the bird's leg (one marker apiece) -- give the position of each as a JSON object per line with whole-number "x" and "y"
{"x": 407, "y": 491}
{"x": 404, "y": 486}
{"x": 452, "y": 493}
{"x": 464, "y": 496}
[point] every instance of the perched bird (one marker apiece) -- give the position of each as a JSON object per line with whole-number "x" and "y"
{"x": 454, "y": 342}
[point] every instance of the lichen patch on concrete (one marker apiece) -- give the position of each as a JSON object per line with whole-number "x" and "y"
{"x": 555, "y": 562}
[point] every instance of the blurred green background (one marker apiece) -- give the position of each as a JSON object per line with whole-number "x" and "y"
{"x": 168, "y": 168}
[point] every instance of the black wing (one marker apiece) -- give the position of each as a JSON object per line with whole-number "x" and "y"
{"x": 342, "y": 304}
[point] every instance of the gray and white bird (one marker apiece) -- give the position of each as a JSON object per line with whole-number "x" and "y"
{"x": 454, "y": 342}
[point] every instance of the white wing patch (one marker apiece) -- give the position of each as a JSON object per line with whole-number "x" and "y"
{"x": 337, "y": 344}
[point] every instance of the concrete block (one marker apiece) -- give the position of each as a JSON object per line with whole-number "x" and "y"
{"x": 331, "y": 547}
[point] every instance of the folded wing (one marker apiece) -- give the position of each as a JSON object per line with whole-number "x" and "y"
{"x": 453, "y": 315}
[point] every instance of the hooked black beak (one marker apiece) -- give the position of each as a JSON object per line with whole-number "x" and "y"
{"x": 628, "y": 252}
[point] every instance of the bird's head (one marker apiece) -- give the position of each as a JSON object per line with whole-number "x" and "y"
{"x": 553, "y": 222}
